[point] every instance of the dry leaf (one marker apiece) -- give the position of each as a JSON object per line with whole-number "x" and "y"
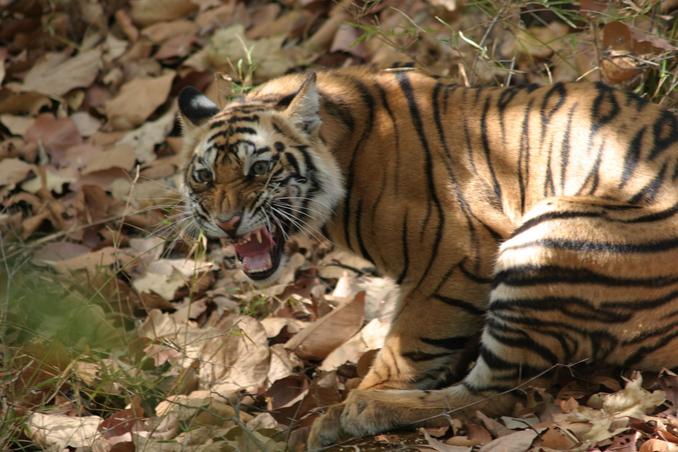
{"x": 58, "y": 431}
{"x": 146, "y": 12}
{"x": 521, "y": 440}
{"x": 56, "y": 135}
{"x": 318, "y": 339}
{"x": 17, "y": 125}
{"x": 13, "y": 171}
{"x": 165, "y": 276}
{"x": 137, "y": 99}
{"x": 56, "y": 74}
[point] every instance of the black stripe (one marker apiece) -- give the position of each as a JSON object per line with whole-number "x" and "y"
{"x": 423, "y": 356}
{"x": 565, "y": 149}
{"x": 406, "y": 252}
{"x": 550, "y": 216}
{"x": 574, "y": 307}
{"x": 657, "y": 246}
{"x": 461, "y": 304}
{"x": 645, "y": 351}
{"x": 604, "y": 98}
{"x": 467, "y": 135}
{"x": 406, "y": 87}
{"x": 648, "y": 193}
{"x": 486, "y": 149}
{"x": 532, "y": 275}
{"x": 369, "y": 103}
{"x": 593, "y": 175}
{"x": 472, "y": 276}
{"x": 665, "y": 132}
{"x": 524, "y": 156}
{"x": 519, "y": 339}
{"x": 338, "y": 110}
{"x": 361, "y": 243}
{"x": 396, "y": 135}
{"x": 632, "y": 157}
{"x": 244, "y": 130}
{"x": 466, "y": 209}
{"x": 548, "y": 180}
{"x": 449, "y": 343}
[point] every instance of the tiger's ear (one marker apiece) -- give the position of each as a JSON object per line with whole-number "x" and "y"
{"x": 304, "y": 109}
{"x": 195, "y": 107}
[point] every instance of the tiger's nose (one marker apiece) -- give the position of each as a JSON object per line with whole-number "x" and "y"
{"x": 230, "y": 226}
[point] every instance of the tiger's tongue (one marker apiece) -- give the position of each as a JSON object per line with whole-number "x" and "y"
{"x": 256, "y": 255}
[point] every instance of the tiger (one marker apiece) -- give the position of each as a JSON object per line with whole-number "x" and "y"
{"x": 539, "y": 223}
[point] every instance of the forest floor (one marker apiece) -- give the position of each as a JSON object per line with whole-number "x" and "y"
{"x": 119, "y": 333}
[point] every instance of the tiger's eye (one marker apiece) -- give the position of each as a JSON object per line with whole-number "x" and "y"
{"x": 203, "y": 176}
{"x": 259, "y": 168}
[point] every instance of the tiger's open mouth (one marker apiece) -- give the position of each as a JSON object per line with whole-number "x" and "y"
{"x": 260, "y": 252}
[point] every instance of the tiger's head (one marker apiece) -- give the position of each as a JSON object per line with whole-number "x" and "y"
{"x": 258, "y": 173}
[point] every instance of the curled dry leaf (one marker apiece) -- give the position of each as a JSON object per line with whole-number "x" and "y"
{"x": 371, "y": 337}
{"x": 137, "y": 99}
{"x": 57, "y": 73}
{"x": 317, "y": 340}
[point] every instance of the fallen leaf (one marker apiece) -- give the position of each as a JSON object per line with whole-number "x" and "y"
{"x": 165, "y": 276}
{"x": 440, "y": 446}
{"x": 371, "y": 337}
{"x": 17, "y": 125}
{"x": 58, "y": 431}
{"x": 13, "y": 171}
{"x": 146, "y": 12}
{"x": 658, "y": 445}
{"x": 521, "y": 440}
{"x": 318, "y": 339}
{"x": 144, "y": 139}
{"x": 56, "y": 135}
{"x": 87, "y": 124}
{"x": 137, "y": 99}
{"x": 56, "y": 74}
{"x": 54, "y": 180}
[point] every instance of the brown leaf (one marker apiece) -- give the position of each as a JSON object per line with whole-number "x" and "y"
{"x": 137, "y": 100}
{"x": 17, "y": 125}
{"x": 146, "y": 12}
{"x": 162, "y": 31}
{"x": 56, "y": 74}
{"x": 13, "y": 171}
{"x": 59, "y": 251}
{"x": 56, "y": 135}
{"x": 286, "y": 392}
{"x": 318, "y": 339}
{"x": 521, "y": 440}
{"x": 439, "y": 446}
{"x": 658, "y": 445}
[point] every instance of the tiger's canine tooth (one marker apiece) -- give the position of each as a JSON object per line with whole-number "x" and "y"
{"x": 258, "y": 234}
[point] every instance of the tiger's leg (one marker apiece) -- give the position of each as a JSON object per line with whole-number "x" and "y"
{"x": 427, "y": 341}
{"x": 431, "y": 341}
{"x": 535, "y": 319}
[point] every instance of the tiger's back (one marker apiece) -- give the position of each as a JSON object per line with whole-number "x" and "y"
{"x": 543, "y": 217}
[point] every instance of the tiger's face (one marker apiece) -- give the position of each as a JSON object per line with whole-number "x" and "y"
{"x": 257, "y": 175}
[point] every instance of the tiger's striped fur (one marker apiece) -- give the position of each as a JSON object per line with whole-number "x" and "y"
{"x": 544, "y": 217}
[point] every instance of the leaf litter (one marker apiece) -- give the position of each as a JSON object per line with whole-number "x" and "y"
{"x": 132, "y": 336}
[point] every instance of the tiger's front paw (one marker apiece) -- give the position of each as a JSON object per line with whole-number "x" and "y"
{"x": 366, "y": 414}
{"x": 326, "y": 430}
